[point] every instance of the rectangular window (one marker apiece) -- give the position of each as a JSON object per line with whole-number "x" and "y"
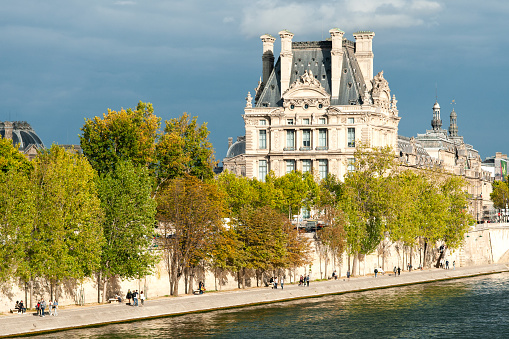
{"x": 306, "y": 166}
{"x": 289, "y": 121}
{"x": 290, "y": 166}
{"x": 305, "y": 121}
{"x": 351, "y": 137}
{"x": 321, "y": 121}
{"x": 323, "y": 168}
{"x": 306, "y": 138}
{"x": 351, "y": 120}
{"x": 306, "y": 214}
{"x": 290, "y": 140}
{"x": 322, "y": 138}
{"x": 262, "y": 170}
{"x": 262, "y": 141}
{"x": 351, "y": 165}
{"x": 263, "y": 122}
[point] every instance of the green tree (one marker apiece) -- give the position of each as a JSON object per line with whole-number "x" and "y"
{"x": 67, "y": 236}
{"x": 17, "y": 210}
{"x": 184, "y": 149}
{"x": 188, "y": 210}
{"x": 239, "y": 192}
{"x": 129, "y": 223}
{"x": 500, "y": 194}
{"x": 367, "y": 198}
{"x": 12, "y": 159}
{"x": 297, "y": 190}
{"x": 123, "y": 135}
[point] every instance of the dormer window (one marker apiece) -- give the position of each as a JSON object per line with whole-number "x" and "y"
{"x": 289, "y": 121}
{"x": 321, "y": 121}
{"x": 263, "y": 122}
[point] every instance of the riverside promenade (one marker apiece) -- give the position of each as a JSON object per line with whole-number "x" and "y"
{"x": 95, "y": 315}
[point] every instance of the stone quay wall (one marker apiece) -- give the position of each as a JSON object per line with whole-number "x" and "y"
{"x": 484, "y": 244}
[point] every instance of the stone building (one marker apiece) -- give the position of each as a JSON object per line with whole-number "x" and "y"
{"x": 447, "y": 151}
{"x": 23, "y": 135}
{"x": 319, "y": 100}
{"x": 312, "y": 107}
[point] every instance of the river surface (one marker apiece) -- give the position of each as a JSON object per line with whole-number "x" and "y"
{"x": 465, "y": 308}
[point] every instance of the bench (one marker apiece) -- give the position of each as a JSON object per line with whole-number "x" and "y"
{"x": 198, "y": 291}
{"x": 110, "y": 300}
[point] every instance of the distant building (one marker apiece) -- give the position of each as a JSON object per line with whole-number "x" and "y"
{"x": 497, "y": 166}
{"x": 22, "y": 135}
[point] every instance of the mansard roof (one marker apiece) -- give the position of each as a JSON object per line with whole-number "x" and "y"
{"x": 23, "y": 134}
{"x": 315, "y": 56}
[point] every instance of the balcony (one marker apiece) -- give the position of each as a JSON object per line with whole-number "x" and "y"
{"x": 322, "y": 148}
{"x": 289, "y": 149}
{"x": 306, "y": 148}
{"x": 351, "y": 144}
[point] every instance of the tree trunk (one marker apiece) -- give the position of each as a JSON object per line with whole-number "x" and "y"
{"x": 354, "y": 263}
{"x": 31, "y": 292}
{"x": 99, "y": 287}
{"x": 191, "y": 279}
{"x": 186, "y": 278}
{"x": 411, "y": 254}
{"x": 243, "y": 277}
{"x": 105, "y": 289}
{"x": 238, "y": 278}
{"x": 424, "y": 254}
{"x": 440, "y": 257}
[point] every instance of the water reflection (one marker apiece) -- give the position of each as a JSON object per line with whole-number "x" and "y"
{"x": 467, "y": 308}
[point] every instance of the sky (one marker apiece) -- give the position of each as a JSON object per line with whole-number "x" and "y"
{"x": 64, "y": 61}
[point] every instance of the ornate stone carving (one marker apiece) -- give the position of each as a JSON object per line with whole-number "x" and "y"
{"x": 380, "y": 91}
{"x": 249, "y": 100}
{"x": 306, "y": 91}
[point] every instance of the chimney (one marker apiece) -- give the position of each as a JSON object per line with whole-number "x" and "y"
{"x": 230, "y": 142}
{"x": 8, "y": 130}
{"x": 364, "y": 54}
{"x": 336, "y": 60}
{"x": 267, "y": 56}
{"x": 286, "y": 59}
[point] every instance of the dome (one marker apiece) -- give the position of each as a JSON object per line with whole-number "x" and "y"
{"x": 436, "y": 105}
{"x": 453, "y": 113}
{"x": 239, "y": 147}
{"x": 21, "y": 133}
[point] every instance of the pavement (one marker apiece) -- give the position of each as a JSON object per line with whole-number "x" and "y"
{"x": 95, "y": 315}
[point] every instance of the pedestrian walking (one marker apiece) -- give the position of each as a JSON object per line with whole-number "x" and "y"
{"x": 454, "y": 265}
{"x": 348, "y": 274}
{"x": 395, "y": 270}
{"x": 129, "y": 296}
{"x": 307, "y": 280}
{"x": 376, "y": 272}
{"x": 135, "y": 298}
{"x": 447, "y": 264}
{"x": 55, "y": 306}
{"x": 399, "y": 271}
{"x": 50, "y": 307}
{"x": 282, "y": 281}
{"x": 301, "y": 280}
{"x": 275, "y": 282}
{"x": 142, "y": 298}
{"x": 43, "y": 306}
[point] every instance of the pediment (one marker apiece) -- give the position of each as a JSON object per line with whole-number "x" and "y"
{"x": 306, "y": 90}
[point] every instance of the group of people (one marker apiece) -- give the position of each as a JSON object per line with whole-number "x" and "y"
{"x": 135, "y": 296}
{"x": 445, "y": 264}
{"x": 274, "y": 281}
{"x": 304, "y": 280}
{"x": 20, "y": 307}
{"x": 41, "y": 307}
{"x": 397, "y": 271}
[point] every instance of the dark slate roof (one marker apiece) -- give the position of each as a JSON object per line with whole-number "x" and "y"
{"x": 239, "y": 147}
{"x": 22, "y": 135}
{"x": 316, "y": 56}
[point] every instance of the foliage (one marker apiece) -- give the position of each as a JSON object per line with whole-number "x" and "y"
{"x": 189, "y": 211}
{"x": 184, "y": 149}
{"x": 500, "y": 194}
{"x": 123, "y": 135}
{"x": 129, "y": 222}
{"x": 66, "y": 238}
{"x": 12, "y": 159}
{"x": 297, "y": 190}
{"x": 17, "y": 210}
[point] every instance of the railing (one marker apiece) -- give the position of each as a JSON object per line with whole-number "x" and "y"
{"x": 322, "y": 148}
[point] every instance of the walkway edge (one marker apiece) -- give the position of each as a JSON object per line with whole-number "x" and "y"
{"x": 198, "y": 305}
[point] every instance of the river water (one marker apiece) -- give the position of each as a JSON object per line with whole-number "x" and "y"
{"x": 465, "y": 308}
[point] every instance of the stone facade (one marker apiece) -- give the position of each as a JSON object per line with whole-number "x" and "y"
{"x": 320, "y": 100}
{"x": 313, "y": 107}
